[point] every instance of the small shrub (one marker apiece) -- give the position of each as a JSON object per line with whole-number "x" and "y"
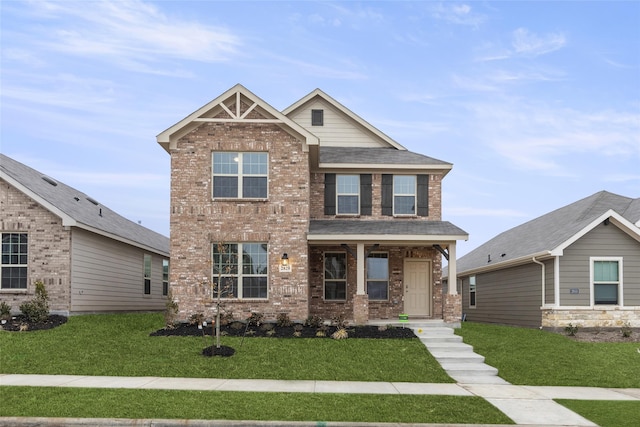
{"x": 626, "y": 330}
{"x": 255, "y": 319}
{"x": 24, "y": 327}
{"x": 321, "y": 333}
{"x": 383, "y": 328}
{"x": 170, "y": 311}
{"x": 339, "y": 322}
{"x": 271, "y": 332}
{"x": 314, "y": 321}
{"x": 297, "y": 334}
{"x": 236, "y": 325}
{"x": 571, "y": 330}
{"x": 340, "y": 334}
{"x": 298, "y": 327}
{"x": 196, "y": 319}
{"x": 267, "y": 327}
{"x": 226, "y": 318}
{"x": 37, "y": 310}
{"x": 283, "y": 320}
{"x": 5, "y": 311}
{"x": 250, "y": 332}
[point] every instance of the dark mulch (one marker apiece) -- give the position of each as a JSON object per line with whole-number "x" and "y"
{"x": 20, "y": 323}
{"x": 222, "y": 351}
{"x": 366, "y": 331}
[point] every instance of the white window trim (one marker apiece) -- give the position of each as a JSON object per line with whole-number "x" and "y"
{"x": 366, "y": 278}
{"x": 620, "y": 282}
{"x": 346, "y": 279}
{"x": 475, "y": 292}
{"x": 338, "y": 194}
{"x": 415, "y": 196}
{"x": 240, "y": 175}
{"x": 240, "y": 274}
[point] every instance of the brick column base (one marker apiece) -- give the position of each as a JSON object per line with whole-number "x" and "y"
{"x": 361, "y": 309}
{"x": 452, "y": 309}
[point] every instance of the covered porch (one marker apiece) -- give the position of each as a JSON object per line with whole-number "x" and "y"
{"x": 375, "y": 270}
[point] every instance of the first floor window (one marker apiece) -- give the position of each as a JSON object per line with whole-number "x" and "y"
{"x": 335, "y": 276}
{"x": 606, "y": 278}
{"x": 147, "y": 274}
{"x": 240, "y": 270}
{"x": 378, "y": 276}
{"x": 472, "y": 291}
{"x": 240, "y": 175}
{"x": 165, "y": 277}
{"x": 14, "y": 261}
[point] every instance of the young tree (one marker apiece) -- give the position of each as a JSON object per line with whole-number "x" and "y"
{"x": 225, "y": 270}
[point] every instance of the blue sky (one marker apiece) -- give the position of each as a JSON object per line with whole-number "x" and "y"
{"x": 537, "y": 104}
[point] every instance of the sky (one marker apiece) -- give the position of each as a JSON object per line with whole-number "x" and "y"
{"x": 536, "y": 104}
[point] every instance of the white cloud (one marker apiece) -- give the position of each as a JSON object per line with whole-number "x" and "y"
{"x": 529, "y": 44}
{"x": 460, "y": 14}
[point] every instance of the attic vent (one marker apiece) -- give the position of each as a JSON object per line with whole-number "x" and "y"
{"x": 94, "y": 201}
{"x": 50, "y": 180}
{"x": 317, "y": 117}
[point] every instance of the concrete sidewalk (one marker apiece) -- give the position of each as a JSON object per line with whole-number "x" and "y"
{"x": 525, "y": 405}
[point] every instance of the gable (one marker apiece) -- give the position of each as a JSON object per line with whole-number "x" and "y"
{"x": 341, "y": 127}
{"x": 236, "y": 105}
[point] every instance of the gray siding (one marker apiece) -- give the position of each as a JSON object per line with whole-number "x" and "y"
{"x": 602, "y": 241}
{"x": 509, "y": 296}
{"x": 109, "y": 276}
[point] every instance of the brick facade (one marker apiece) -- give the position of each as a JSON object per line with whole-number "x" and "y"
{"x": 48, "y": 251}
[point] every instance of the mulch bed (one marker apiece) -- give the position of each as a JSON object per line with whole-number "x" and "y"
{"x": 239, "y": 330}
{"x": 20, "y": 323}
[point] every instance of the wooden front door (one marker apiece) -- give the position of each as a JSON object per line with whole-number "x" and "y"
{"x": 417, "y": 287}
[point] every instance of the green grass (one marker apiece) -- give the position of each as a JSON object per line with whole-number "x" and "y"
{"x": 535, "y": 357}
{"x": 120, "y": 345}
{"x": 164, "y": 404}
{"x": 606, "y": 413}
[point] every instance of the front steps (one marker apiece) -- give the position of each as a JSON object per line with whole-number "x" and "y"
{"x": 456, "y": 357}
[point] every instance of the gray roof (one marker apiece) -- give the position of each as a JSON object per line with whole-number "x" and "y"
{"x": 377, "y": 156}
{"x": 80, "y": 207}
{"x": 549, "y": 231}
{"x": 408, "y": 228}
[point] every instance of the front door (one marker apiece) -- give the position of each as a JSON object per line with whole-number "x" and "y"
{"x": 417, "y": 287}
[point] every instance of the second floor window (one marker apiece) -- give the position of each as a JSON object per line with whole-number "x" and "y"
{"x": 240, "y": 175}
{"x": 404, "y": 195}
{"x": 348, "y": 194}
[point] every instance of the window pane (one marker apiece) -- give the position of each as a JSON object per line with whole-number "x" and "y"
{"x": 225, "y": 163}
{"x": 228, "y": 287}
{"x": 254, "y": 258}
{"x": 335, "y": 266}
{"x": 225, "y": 259}
{"x": 254, "y": 187}
{"x": 225, "y": 186}
{"x": 377, "y": 267}
{"x": 404, "y": 184}
{"x": 14, "y": 278}
{"x": 404, "y": 205}
{"x": 254, "y": 163}
{"x": 335, "y": 290}
{"x": 348, "y": 184}
{"x": 605, "y": 293}
{"x": 605, "y": 271}
{"x": 254, "y": 287}
{"x": 377, "y": 290}
{"x": 348, "y": 204}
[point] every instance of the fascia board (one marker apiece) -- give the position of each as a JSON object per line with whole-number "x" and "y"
{"x": 386, "y": 238}
{"x": 347, "y": 112}
{"x": 67, "y": 221}
{"x": 369, "y": 166}
{"x": 505, "y": 264}
{"x": 617, "y": 219}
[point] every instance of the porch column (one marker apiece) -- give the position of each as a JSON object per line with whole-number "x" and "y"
{"x": 360, "y": 270}
{"x": 453, "y": 273}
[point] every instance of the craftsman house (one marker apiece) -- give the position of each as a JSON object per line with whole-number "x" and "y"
{"x": 310, "y": 212}
{"x": 579, "y": 264}
{"x": 89, "y": 258}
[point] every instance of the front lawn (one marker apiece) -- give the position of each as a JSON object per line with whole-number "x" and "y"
{"x": 606, "y": 413}
{"x": 120, "y": 345}
{"x": 534, "y": 357}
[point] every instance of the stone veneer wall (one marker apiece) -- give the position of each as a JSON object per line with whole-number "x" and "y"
{"x": 197, "y": 220}
{"x": 48, "y": 252}
{"x": 591, "y": 318}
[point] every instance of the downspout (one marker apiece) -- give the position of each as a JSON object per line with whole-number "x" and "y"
{"x": 543, "y": 281}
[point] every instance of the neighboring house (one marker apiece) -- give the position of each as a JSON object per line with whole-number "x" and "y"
{"x": 579, "y": 264}
{"x": 321, "y": 214}
{"x": 89, "y": 258}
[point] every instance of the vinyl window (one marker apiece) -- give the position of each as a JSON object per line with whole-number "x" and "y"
{"x": 335, "y": 276}
{"x": 15, "y": 251}
{"x": 348, "y": 194}
{"x": 378, "y": 276}
{"x": 404, "y": 195}
{"x": 147, "y": 274}
{"x": 606, "y": 281}
{"x": 165, "y": 277}
{"x": 240, "y": 175}
{"x": 240, "y": 270}
{"x": 472, "y": 291}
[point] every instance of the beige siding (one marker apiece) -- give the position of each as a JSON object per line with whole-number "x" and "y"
{"x": 109, "y": 276}
{"x": 602, "y": 241}
{"x": 338, "y": 129}
{"x": 510, "y": 296}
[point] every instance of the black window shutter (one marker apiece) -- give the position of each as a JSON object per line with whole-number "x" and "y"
{"x": 423, "y": 195}
{"x": 329, "y": 193}
{"x": 365, "y": 194}
{"x": 387, "y": 194}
